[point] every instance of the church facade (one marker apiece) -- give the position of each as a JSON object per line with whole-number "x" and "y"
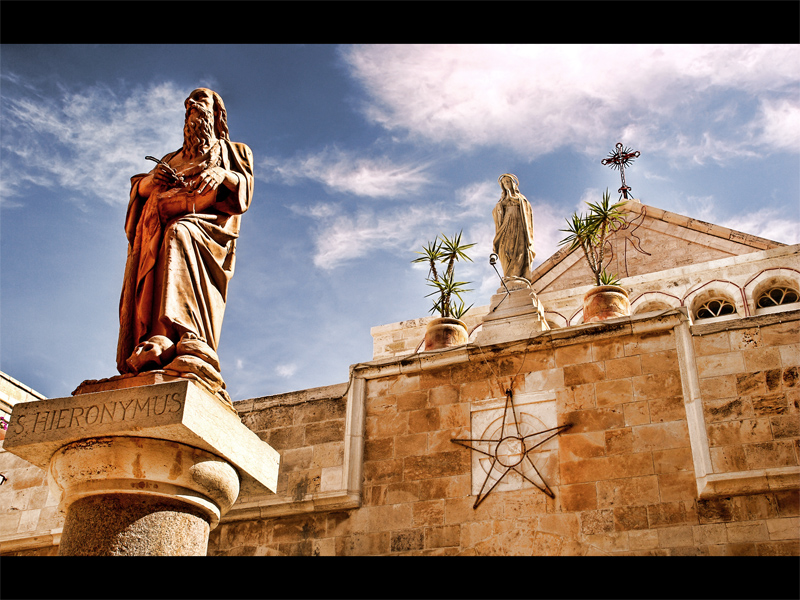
{"x": 673, "y": 431}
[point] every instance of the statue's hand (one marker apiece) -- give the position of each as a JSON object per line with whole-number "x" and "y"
{"x": 164, "y": 175}
{"x": 210, "y": 179}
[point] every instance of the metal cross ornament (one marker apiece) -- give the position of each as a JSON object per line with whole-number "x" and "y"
{"x": 509, "y": 450}
{"x": 620, "y": 158}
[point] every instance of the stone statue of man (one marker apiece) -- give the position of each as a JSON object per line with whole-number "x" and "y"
{"x": 182, "y": 225}
{"x": 513, "y": 220}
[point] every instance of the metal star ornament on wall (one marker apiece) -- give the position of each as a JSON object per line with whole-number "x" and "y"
{"x": 510, "y": 449}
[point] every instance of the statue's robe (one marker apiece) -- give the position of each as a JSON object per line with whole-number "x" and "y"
{"x": 177, "y": 273}
{"x": 513, "y": 240}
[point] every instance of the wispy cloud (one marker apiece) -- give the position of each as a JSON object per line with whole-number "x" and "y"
{"x": 536, "y": 98}
{"x": 764, "y": 222}
{"x": 768, "y": 223}
{"x": 343, "y": 237}
{"x": 340, "y": 236}
{"x": 286, "y": 370}
{"x": 778, "y": 124}
{"x": 88, "y": 141}
{"x": 349, "y": 173}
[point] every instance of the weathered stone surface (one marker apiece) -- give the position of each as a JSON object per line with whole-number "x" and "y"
{"x": 132, "y": 525}
{"x": 178, "y": 411}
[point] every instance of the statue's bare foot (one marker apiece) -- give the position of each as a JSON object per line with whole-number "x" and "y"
{"x": 195, "y": 356}
{"x": 153, "y": 353}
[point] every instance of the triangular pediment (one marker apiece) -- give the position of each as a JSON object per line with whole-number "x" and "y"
{"x": 654, "y": 240}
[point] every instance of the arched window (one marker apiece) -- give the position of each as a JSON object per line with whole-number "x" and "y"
{"x": 777, "y": 296}
{"x": 774, "y": 290}
{"x": 715, "y": 307}
{"x": 651, "y": 306}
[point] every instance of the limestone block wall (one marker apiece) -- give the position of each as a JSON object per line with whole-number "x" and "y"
{"x": 29, "y": 520}
{"x": 626, "y": 478}
{"x": 307, "y": 428}
{"x": 749, "y": 380}
{"x": 683, "y": 441}
{"x": 11, "y": 392}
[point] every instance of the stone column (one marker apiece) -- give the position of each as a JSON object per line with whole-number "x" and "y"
{"x": 142, "y": 471}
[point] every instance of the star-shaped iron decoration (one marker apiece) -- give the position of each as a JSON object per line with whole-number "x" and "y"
{"x": 511, "y": 450}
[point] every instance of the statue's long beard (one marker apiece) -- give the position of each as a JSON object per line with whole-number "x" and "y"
{"x": 198, "y": 132}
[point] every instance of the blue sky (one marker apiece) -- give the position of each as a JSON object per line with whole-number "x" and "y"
{"x": 362, "y": 154}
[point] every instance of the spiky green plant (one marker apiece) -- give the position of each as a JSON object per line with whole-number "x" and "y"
{"x": 590, "y": 233}
{"x": 446, "y": 252}
{"x": 607, "y": 278}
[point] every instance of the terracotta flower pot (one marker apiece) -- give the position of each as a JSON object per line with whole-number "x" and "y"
{"x": 605, "y": 302}
{"x": 445, "y": 332}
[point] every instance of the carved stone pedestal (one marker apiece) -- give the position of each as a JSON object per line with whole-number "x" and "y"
{"x": 514, "y": 314}
{"x": 142, "y": 471}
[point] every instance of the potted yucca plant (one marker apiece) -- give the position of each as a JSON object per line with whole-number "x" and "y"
{"x": 591, "y": 233}
{"x": 441, "y": 256}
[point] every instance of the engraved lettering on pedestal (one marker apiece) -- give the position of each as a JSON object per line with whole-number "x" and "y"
{"x": 97, "y": 414}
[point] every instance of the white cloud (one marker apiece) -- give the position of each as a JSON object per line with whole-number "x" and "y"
{"x": 89, "y": 141}
{"x": 779, "y": 124}
{"x": 286, "y": 370}
{"x": 767, "y": 223}
{"x": 478, "y": 198}
{"x": 341, "y": 238}
{"x": 536, "y": 98}
{"x": 349, "y": 173}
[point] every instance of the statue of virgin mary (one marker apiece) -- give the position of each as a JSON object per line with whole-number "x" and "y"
{"x": 513, "y": 220}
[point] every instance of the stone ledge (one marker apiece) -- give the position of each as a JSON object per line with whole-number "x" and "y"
{"x": 771, "y": 318}
{"x": 320, "y": 502}
{"x": 740, "y": 483}
{"x": 22, "y": 541}
{"x": 178, "y": 411}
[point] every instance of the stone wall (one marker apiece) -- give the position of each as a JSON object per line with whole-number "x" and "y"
{"x": 407, "y": 337}
{"x": 29, "y": 519}
{"x": 625, "y": 476}
{"x": 307, "y": 428}
{"x": 749, "y": 382}
{"x": 683, "y": 441}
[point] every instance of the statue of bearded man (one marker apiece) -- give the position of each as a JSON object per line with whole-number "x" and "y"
{"x": 182, "y": 225}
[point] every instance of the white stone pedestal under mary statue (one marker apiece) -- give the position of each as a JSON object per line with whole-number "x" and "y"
{"x": 147, "y": 462}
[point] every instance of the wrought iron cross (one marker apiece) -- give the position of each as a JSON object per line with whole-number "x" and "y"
{"x": 619, "y": 159}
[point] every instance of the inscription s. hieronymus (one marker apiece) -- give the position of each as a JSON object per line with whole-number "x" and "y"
{"x": 96, "y": 414}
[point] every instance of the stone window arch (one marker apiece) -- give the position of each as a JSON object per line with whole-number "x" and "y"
{"x": 774, "y": 290}
{"x": 653, "y": 301}
{"x": 555, "y": 320}
{"x": 715, "y": 301}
